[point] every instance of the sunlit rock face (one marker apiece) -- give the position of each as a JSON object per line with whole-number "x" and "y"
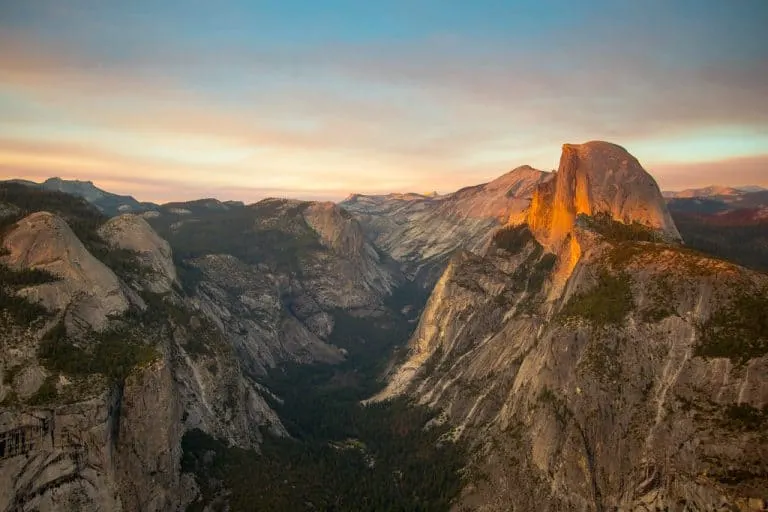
{"x": 88, "y": 287}
{"x": 421, "y": 232}
{"x": 597, "y": 177}
{"x": 335, "y": 227}
{"x": 594, "y": 178}
{"x": 583, "y": 366}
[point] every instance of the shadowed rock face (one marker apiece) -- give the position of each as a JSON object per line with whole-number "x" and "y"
{"x": 90, "y": 440}
{"x": 354, "y": 274}
{"x": 106, "y": 202}
{"x": 598, "y": 387}
{"x": 109, "y": 408}
{"x": 597, "y": 177}
{"x": 44, "y": 241}
{"x": 132, "y": 233}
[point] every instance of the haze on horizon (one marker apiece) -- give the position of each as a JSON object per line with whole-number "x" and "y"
{"x": 246, "y": 99}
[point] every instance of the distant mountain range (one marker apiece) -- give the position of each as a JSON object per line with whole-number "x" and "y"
{"x": 729, "y": 222}
{"x": 713, "y": 191}
{"x": 114, "y": 204}
{"x": 421, "y": 231}
{"x": 110, "y": 204}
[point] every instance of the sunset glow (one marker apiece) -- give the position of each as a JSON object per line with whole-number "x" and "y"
{"x": 315, "y": 100}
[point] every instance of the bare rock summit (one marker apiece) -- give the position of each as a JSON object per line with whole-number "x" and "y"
{"x": 86, "y": 287}
{"x": 133, "y": 233}
{"x": 597, "y": 178}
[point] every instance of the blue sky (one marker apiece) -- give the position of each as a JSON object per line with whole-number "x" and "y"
{"x": 241, "y": 100}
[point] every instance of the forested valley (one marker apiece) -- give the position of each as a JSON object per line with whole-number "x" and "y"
{"x": 341, "y": 455}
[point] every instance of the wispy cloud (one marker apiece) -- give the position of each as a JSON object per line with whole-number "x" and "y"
{"x": 245, "y": 116}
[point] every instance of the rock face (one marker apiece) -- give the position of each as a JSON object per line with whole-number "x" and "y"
{"x": 248, "y": 304}
{"x": 354, "y": 274}
{"x": 115, "y": 451}
{"x": 92, "y": 411}
{"x": 614, "y": 390}
{"x": 87, "y": 288}
{"x": 422, "y": 232}
{"x": 274, "y": 274}
{"x": 54, "y": 459}
{"x": 132, "y": 233}
{"x": 594, "y": 178}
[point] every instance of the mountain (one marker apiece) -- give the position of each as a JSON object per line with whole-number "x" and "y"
{"x": 107, "y": 362}
{"x": 121, "y": 343}
{"x": 572, "y": 355}
{"x": 277, "y": 273}
{"x": 591, "y": 361}
{"x": 751, "y": 188}
{"x": 711, "y": 191}
{"x": 108, "y": 203}
{"x": 730, "y": 227}
{"x": 422, "y": 232}
{"x": 597, "y": 178}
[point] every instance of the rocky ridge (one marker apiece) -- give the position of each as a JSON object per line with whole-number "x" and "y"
{"x": 132, "y": 233}
{"x": 274, "y": 274}
{"x": 711, "y": 191}
{"x": 422, "y": 232}
{"x": 107, "y": 202}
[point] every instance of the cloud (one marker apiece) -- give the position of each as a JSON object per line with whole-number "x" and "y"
{"x": 331, "y": 119}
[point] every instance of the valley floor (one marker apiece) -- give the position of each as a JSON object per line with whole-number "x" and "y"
{"x": 342, "y": 455}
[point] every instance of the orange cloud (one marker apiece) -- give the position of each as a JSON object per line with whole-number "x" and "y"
{"x": 330, "y": 121}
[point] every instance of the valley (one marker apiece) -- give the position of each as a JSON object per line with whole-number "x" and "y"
{"x": 546, "y": 341}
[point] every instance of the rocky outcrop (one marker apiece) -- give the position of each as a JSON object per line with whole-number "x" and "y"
{"x": 118, "y": 450}
{"x": 353, "y": 274}
{"x": 422, "y": 232}
{"x": 274, "y": 274}
{"x": 612, "y": 390}
{"x": 336, "y": 228}
{"x": 597, "y": 178}
{"x": 133, "y": 233}
{"x": 58, "y": 458}
{"x": 86, "y": 288}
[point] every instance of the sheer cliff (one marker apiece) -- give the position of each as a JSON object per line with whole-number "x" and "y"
{"x": 593, "y": 362}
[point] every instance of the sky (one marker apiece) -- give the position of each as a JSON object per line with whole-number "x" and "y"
{"x": 177, "y": 100}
